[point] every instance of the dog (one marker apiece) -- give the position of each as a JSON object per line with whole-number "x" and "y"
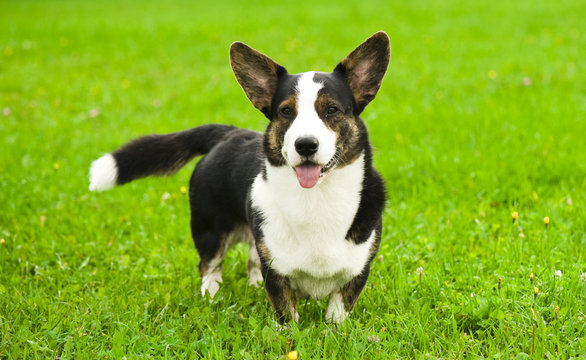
{"x": 304, "y": 195}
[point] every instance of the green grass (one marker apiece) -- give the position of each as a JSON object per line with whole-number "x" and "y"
{"x": 481, "y": 114}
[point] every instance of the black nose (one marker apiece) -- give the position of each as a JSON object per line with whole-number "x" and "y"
{"x": 306, "y": 145}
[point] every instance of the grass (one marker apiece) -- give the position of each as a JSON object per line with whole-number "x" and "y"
{"x": 481, "y": 115}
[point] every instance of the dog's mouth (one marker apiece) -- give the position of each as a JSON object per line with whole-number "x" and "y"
{"x": 309, "y": 173}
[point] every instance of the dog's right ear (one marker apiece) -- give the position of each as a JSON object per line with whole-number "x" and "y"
{"x": 257, "y": 74}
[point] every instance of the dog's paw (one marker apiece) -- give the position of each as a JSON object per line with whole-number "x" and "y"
{"x": 278, "y": 326}
{"x": 336, "y": 312}
{"x": 211, "y": 284}
{"x": 336, "y": 317}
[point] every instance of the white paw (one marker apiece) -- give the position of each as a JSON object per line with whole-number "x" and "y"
{"x": 211, "y": 284}
{"x": 336, "y": 317}
{"x": 336, "y": 312}
{"x": 284, "y": 326}
{"x": 278, "y": 326}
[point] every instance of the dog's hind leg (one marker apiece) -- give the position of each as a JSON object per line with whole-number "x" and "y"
{"x": 253, "y": 267}
{"x": 253, "y": 263}
{"x": 210, "y": 282}
{"x": 212, "y": 247}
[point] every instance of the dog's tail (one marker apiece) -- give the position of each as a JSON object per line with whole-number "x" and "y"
{"x": 154, "y": 155}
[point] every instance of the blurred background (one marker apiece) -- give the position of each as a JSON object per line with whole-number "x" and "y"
{"x": 81, "y": 77}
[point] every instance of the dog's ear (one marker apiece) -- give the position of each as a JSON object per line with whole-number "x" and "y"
{"x": 365, "y": 67}
{"x": 257, "y": 74}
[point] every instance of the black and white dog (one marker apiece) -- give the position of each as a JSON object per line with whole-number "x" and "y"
{"x": 304, "y": 194}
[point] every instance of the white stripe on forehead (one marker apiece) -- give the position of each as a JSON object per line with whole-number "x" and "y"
{"x": 308, "y": 123}
{"x": 307, "y": 90}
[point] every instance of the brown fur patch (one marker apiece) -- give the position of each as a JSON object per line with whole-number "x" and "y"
{"x": 285, "y": 305}
{"x": 346, "y": 125}
{"x": 351, "y": 291}
{"x": 280, "y": 295}
{"x": 375, "y": 245}
{"x": 275, "y": 133}
{"x": 203, "y": 268}
{"x": 263, "y": 250}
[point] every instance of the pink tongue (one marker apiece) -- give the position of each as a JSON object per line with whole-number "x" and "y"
{"x": 308, "y": 175}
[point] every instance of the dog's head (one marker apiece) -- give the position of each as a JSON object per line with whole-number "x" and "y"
{"x": 315, "y": 125}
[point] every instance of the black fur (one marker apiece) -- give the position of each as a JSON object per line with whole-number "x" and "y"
{"x": 165, "y": 154}
{"x": 218, "y": 190}
{"x": 372, "y": 203}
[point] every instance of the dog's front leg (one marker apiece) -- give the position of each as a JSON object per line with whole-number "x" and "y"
{"x": 342, "y": 302}
{"x": 281, "y": 296}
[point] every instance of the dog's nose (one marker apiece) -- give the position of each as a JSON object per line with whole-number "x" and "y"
{"x": 306, "y": 145}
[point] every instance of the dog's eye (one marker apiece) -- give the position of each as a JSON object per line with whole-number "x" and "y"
{"x": 287, "y": 111}
{"x": 332, "y": 110}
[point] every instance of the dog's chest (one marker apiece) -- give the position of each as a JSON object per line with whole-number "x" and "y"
{"x": 305, "y": 230}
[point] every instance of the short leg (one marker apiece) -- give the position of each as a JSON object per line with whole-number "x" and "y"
{"x": 342, "y": 302}
{"x": 212, "y": 249}
{"x": 336, "y": 312}
{"x": 253, "y": 267}
{"x": 280, "y": 295}
{"x": 212, "y": 277}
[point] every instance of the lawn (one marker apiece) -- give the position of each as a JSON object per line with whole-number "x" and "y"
{"x": 482, "y": 114}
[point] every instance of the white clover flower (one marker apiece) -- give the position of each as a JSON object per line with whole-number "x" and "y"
{"x": 94, "y": 112}
{"x": 419, "y": 271}
{"x": 558, "y": 273}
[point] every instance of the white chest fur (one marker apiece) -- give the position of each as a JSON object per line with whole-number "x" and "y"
{"x": 305, "y": 229}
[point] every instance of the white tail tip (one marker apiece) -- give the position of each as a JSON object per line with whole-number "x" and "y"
{"x": 103, "y": 173}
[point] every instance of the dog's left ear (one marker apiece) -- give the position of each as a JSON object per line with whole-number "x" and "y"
{"x": 365, "y": 67}
{"x": 257, "y": 74}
